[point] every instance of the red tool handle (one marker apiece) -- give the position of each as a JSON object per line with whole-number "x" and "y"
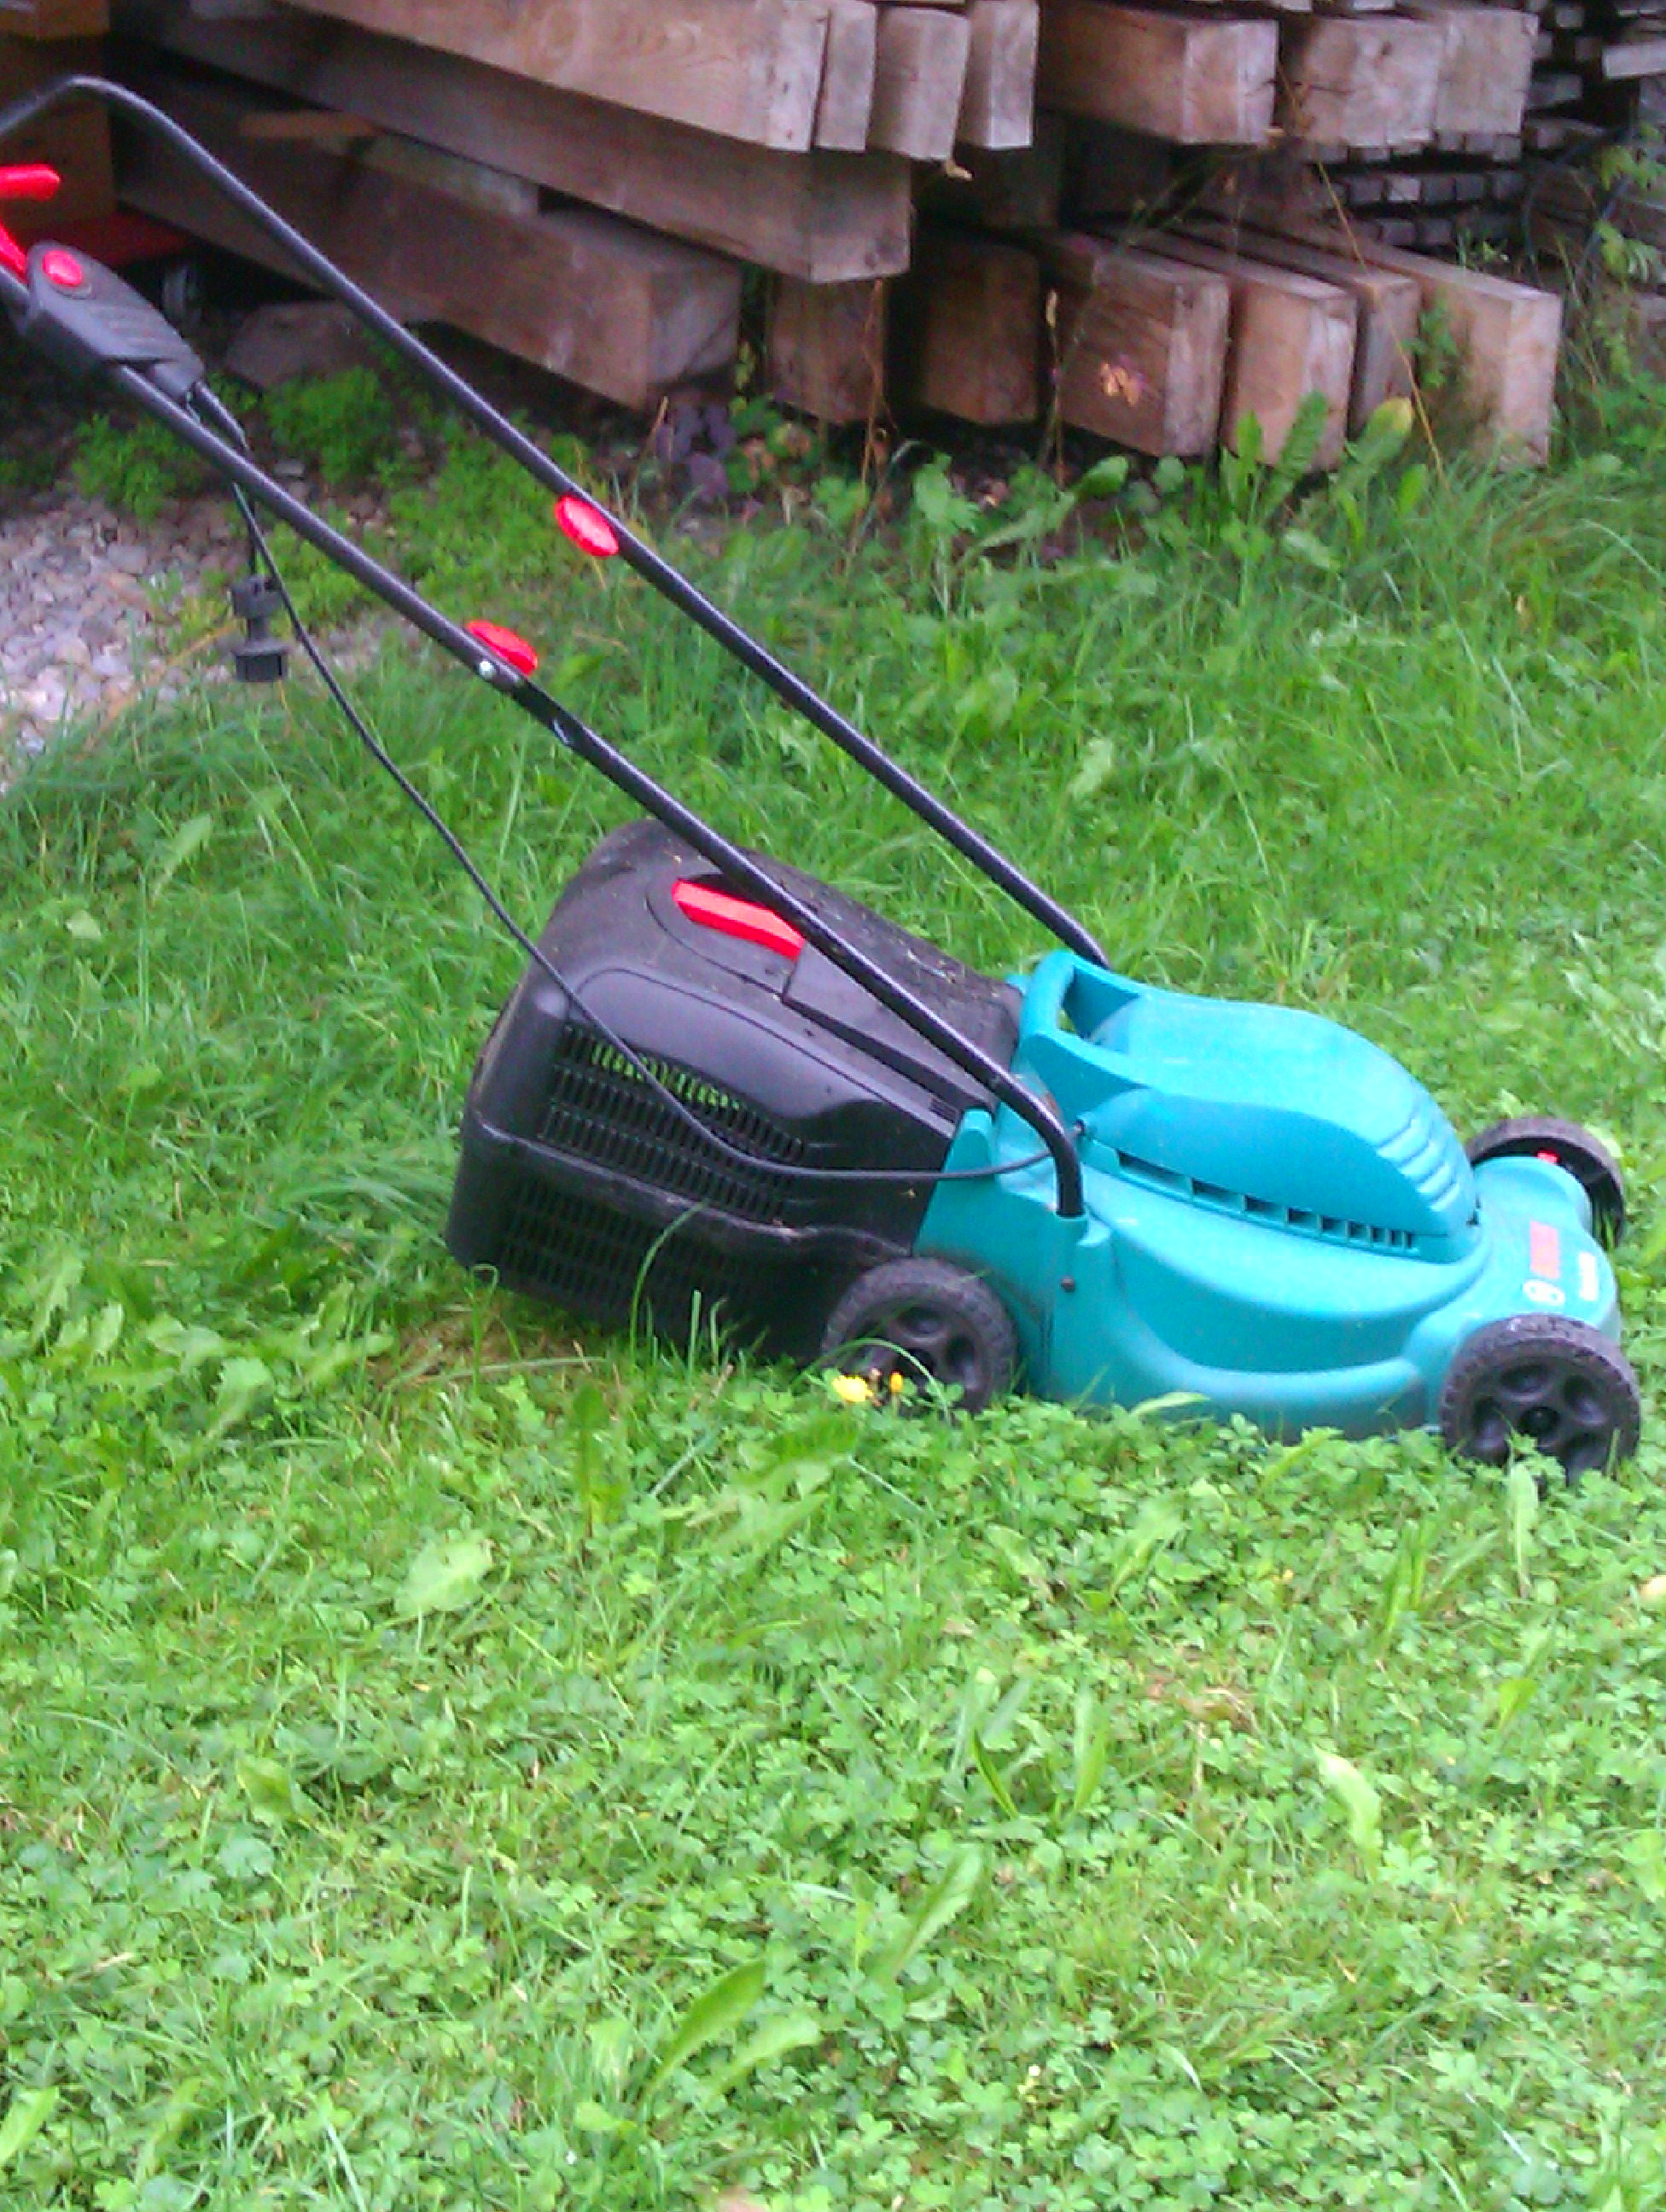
{"x": 25, "y": 181}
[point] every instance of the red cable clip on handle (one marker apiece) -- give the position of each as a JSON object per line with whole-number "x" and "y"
{"x": 26, "y": 180}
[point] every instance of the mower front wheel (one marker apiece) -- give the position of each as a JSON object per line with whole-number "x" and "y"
{"x": 1564, "y": 1145}
{"x": 914, "y": 1327}
{"x": 1543, "y": 1379}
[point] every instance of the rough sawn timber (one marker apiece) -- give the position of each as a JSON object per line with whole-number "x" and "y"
{"x": 920, "y": 74}
{"x": 1487, "y": 62}
{"x": 846, "y": 105}
{"x": 1506, "y": 337}
{"x": 1361, "y": 80}
{"x": 1141, "y": 344}
{"x": 997, "y": 105}
{"x": 826, "y": 349}
{"x": 744, "y": 69}
{"x": 825, "y": 217}
{"x": 618, "y": 310}
{"x": 1199, "y": 79}
{"x": 969, "y": 313}
{"x": 1291, "y": 335}
{"x": 1390, "y": 306}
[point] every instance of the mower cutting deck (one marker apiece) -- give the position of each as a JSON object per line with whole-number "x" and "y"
{"x": 723, "y": 1092}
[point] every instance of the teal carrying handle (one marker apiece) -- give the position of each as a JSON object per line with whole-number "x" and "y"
{"x": 1045, "y": 995}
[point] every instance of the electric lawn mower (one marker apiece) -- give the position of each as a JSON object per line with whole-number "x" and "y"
{"x": 723, "y": 1089}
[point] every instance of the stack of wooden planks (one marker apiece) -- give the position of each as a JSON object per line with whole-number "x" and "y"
{"x": 1590, "y": 59}
{"x": 40, "y": 39}
{"x": 1002, "y": 210}
{"x": 1565, "y": 80}
{"x": 1570, "y": 200}
{"x": 581, "y": 181}
{"x": 1600, "y": 74}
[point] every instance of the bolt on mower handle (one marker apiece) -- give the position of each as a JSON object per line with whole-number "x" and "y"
{"x": 23, "y": 181}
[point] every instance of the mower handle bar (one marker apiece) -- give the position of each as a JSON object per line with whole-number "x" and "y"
{"x": 734, "y": 864}
{"x": 653, "y": 566}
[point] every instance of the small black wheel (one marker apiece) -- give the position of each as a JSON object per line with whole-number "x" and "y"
{"x": 1557, "y": 1384}
{"x": 915, "y": 1326}
{"x": 185, "y": 291}
{"x": 1587, "y": 1159}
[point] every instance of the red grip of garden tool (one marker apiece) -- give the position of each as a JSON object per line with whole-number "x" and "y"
{"x": 25, "y": 181}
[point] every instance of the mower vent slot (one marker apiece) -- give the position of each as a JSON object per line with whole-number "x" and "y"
{"x": 600, "y": 1109}
{"x": 1331, "y": 1227}
{"x": 1429, "y": 1156}
{"x": 585, "y": 1256}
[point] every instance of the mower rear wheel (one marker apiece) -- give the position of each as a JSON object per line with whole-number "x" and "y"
{"x": 1543, "y": 1379}
{"x": 912, "y": 1327}
{"x": 1586, "y": 1158}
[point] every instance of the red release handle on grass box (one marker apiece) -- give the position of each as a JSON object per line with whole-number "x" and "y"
{"x": 738, "y": 917}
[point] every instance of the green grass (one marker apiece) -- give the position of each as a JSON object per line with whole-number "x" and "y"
{"x": 450, "y": 1760}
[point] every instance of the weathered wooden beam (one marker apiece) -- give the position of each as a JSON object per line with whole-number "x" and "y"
{"x": 969, "y": 318}
{"x": 1200, "y": 80}
{"x": 920, "y": 75}
{"x": 826, "y": 349}
{"x": 997, "y": 105}
{"x": 1291, "y": 336}
{"x": 1505, "y": 335}
{"x": 744, "y": 69}
{"x": 618, "y": 310}
{"x": 1141, "y": 344}
{"x": 845, "y": 106}
{"x": 1390, "y": 306}
{"x": 1361, "y": 80}
{"x": 1632, "y": 57}
{"x": 1486, "y": 62}
{"x": 825, "y": 217}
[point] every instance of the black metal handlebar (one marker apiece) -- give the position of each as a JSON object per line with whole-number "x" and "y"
{"x": 238, "y": 467}
{"x": 656, "y": 570}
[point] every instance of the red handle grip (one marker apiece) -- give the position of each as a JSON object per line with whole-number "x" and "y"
{"x": 28, "y": 181}
{"x": 24, "y": 180}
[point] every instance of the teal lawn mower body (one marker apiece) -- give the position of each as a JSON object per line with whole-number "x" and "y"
{"x": 1280, "y": 1222}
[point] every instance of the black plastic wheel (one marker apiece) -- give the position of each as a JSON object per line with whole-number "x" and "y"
{"x": 1587, "y": 1159}
{"x": 1541, "y": 1379}
{"x": 185, "y": 291}
{"x": 914, "y": 1327}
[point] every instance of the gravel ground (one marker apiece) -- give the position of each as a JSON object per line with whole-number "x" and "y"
{"x": 81, "y": 591}
{"x": 88, "y": 598}
{"x": 85, "y": 594}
